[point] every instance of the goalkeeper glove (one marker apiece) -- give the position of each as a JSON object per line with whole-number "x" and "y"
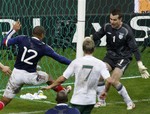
{"x": 143, "y": 70}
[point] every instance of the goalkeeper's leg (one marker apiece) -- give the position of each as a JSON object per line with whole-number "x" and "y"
{"x": 117, "y": 73}
{"x": 123, "y": 92}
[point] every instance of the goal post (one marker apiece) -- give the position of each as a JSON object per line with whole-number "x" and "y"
{"x": 80, "y": 27}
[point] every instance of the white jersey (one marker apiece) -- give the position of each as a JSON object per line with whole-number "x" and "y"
{"x": 87, "y": 71}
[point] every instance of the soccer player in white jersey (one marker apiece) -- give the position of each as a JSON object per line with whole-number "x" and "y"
{"x": 31, "y": 50}
{"x": 87, "y": 71}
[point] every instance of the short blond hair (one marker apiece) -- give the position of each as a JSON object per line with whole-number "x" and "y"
{"x": 88, "y": 45}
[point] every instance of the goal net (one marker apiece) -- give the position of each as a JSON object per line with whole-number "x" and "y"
{"x": 59, "y": 17}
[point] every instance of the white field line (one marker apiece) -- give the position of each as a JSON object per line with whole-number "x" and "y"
{"x": 123, "y": 78}
{"x": 42, "y": 111}
{"x": 131, "y": 77}
{"x": 34, "y": 112}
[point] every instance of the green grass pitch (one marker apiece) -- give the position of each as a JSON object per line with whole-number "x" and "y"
{"x": 137, "y": 87}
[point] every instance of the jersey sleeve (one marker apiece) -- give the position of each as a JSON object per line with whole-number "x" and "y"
{"x": 133, "y": 45}
{"x": 69, "y": 71}
{"x": 98, "y": 35}
{"x": 104, "y": 71}
{"x": 8, "y": 40}
{"x": 50, "y": 52}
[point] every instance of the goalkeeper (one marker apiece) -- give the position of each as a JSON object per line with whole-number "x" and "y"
{"x": 121, "y": 44}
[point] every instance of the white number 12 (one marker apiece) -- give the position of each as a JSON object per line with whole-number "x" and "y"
{"x": 27, "y": 60}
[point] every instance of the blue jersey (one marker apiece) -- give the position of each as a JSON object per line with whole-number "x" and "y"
{"x": 63, "y": 109}
{"x": 31, "y": 50}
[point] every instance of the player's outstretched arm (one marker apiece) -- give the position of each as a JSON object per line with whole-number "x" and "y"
{"x": 58, "y": 81}
{"x": 143, "y": 70}
{"x": 16, "y": 27}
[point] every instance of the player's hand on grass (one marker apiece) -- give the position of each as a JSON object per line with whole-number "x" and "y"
{"x": 6, "y": 70}
{"x": 17, "y": 26}
{"x": 143, "y": 70}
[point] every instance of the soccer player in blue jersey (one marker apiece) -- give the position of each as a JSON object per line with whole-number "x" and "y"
{"x": 62, "y": 107}
{"x": 31, "y": 50}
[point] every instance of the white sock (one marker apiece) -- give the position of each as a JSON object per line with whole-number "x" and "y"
{"x": 123, "y": 92}
{"x": 100, "y": 89}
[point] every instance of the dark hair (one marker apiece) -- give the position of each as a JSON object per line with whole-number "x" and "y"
{"x": 88, "y": 45}
{"x": 116, "y": 12}
{"x": 62, "y": 97}
{"x": 38, "y": 30}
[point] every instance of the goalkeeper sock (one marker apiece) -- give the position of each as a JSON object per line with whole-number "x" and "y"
{"x": 2, "y": 105}
{"x": 58, "y": 88}
{"x": 123, "y": 92}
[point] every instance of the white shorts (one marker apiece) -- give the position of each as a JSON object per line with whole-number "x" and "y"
{"x": 20, "y": 77}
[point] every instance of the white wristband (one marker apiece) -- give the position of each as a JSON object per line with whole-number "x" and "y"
{"x": 10, "y": 35}
{"x": 140, "y": 63}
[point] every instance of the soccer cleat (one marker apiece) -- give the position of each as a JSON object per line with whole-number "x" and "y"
{"x": 130, "y": 106}
{"x": 2, "y": 105}
{"x": 100, "y": 104}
